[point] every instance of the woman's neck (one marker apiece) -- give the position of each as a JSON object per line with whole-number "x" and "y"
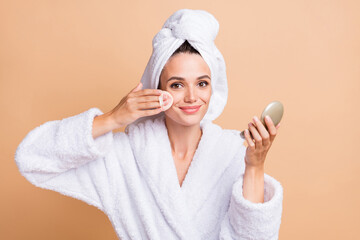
{"x": 183, "y": 139}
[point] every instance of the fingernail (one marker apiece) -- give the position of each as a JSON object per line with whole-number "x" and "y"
{"x": 255, "y": 118}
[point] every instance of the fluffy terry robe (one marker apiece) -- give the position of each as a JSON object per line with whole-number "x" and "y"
{"x": 131, "y": 177}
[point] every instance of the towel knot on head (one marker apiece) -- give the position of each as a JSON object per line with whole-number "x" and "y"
{"x": 193, "y": 25}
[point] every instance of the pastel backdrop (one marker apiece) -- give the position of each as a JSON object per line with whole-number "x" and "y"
{"x": 60, "y": 58}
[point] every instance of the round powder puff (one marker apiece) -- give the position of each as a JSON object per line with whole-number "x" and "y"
{"x": 161, "y": 100}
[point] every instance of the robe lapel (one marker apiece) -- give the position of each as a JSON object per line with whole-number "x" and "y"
{"x": 216, "y": 149}
{"x": 152, "y": 150}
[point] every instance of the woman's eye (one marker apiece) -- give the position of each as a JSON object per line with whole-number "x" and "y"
{"x": 178, "y": 85}
{"x": 203, "y": 84}
{"x": 175, "y": 85}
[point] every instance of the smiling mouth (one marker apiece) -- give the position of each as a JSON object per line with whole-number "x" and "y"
{"x": 190, "y": 109}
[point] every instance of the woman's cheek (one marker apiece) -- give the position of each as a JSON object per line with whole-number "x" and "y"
{"x": 205, "y": 96}
{"x": 176, "y": 98}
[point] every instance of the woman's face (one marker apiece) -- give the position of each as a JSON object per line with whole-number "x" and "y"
{"x": 187, "y": 78}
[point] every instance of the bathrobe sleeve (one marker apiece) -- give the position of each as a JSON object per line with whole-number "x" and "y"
{"x": 248, "y": 220}
{"x": 62, "y": 155}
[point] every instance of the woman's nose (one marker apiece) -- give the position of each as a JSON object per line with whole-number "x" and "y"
{"x": 190, "y": 95}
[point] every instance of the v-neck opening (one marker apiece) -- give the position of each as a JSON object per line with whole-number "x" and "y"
{"x": 173, "y": 166}
{"x": 151, "y": 146}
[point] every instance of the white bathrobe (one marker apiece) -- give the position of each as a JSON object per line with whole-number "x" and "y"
{"x": 131, "y": 177}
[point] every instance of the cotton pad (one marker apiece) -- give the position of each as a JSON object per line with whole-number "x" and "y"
{"x": 161, "y": 100}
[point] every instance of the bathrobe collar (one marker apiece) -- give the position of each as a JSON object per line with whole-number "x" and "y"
{"x": 152, "y": 150}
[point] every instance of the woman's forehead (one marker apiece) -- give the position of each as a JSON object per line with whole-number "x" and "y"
{"x": 186, "y": 66}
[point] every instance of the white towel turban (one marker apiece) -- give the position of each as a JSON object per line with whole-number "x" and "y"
{"x": 199, "y": 28}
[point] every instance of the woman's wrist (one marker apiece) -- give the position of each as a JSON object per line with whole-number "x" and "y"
{"x": 259, "y": 169}
{"x": 103, "y": 124}
{"x": 253, "y": 184}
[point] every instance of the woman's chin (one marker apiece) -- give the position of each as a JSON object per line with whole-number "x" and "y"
{"x": 188, "y": 122}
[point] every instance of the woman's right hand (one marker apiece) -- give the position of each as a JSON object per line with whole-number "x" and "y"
{"x": 137, "y": 103}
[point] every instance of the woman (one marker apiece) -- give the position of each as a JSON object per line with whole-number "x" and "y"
{"x": 173, "y": 174}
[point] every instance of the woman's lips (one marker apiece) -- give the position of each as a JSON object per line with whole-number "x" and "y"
{"x": 190, "y": 109}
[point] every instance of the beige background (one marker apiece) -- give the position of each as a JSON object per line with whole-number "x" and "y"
{"x": 60, "y": 58}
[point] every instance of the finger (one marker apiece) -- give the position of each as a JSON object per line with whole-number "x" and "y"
{"x": 249, "y": 140}
{"x": 271, "y": 127}
{"x": 149, "y": 105}
{"x": 141, "y": 99}
{"x": 256, "y": 135}
{"x": 137, "y": 88}
{"x": 262, "y": 130}
{"x": 277, "y": 126}
{"x": 150, "y": 112}
{"x": 147, "y": 92}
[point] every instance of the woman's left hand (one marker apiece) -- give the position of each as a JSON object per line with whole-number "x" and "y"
{"x": 258, "y": 148}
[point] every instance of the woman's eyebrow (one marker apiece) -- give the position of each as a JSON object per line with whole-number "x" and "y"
{"x": 182, "y": 79}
